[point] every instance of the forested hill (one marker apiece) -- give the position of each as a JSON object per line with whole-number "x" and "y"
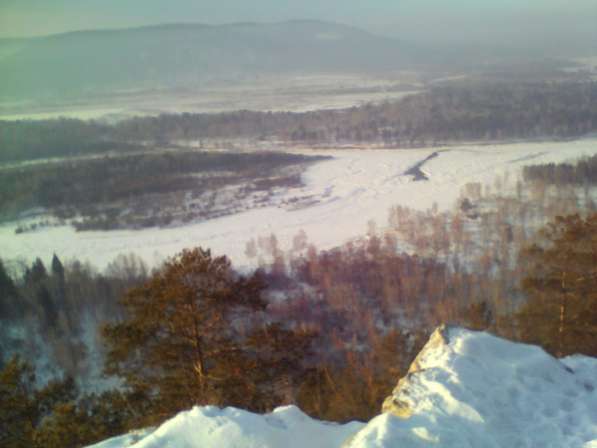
{"x": 466, "y": 111}
{"x": 182, "y": 55}
{"x": 455, "y": 113}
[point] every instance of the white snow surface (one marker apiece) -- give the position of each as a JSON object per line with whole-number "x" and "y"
{"x": 482, "y": 391}
{"x": 475, "y": 390}
{"x": 212, "y": 427}
{"x": 353, "y": 188}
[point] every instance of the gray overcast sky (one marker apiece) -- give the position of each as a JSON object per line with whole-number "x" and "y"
{"x": 458, "y": 21}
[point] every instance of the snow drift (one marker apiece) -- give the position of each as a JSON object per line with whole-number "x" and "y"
{"x": 465, "y": 389}
{"x": 212, "y": 427}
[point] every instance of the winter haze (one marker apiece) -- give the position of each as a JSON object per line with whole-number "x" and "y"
{"x": 276, "y": 224}
{"x": 537, "y": 24}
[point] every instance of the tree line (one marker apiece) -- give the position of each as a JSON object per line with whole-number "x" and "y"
{"x": 138, "y": 190}
{"x": 580, "y": 173}
{"x": 479, "y": 110}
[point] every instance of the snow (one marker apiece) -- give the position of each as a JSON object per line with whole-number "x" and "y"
{"x": 477, "y": 390}
{"x": 209, "y": 426}
{"x": 123, "y": 441}
{"x": 352, "y": 189}
{"x": 299, "y": 93}
{"x": 465, "y": 389}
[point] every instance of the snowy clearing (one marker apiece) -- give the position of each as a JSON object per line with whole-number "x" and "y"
{"x": 465, "y": 389}
{"x": 340, "y": 197}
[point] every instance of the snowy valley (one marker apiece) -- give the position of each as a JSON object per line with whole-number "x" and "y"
{"x": 341, "y": 197}
{"x": 227, "y": 232}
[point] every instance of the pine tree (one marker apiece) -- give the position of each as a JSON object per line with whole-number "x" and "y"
{"x": 67, "y": 427}
{"x": 37, "y": 274}
{"x": 8, "y": 295}
{"x": 58, "y": 278}
{"x": 49, "y": 311}
{"x": 18, "y": 412}
{"x": 57, "y": 268}
{"x": 561, "y": 284}
{"x": 280, "y": 364}
{"x": 179, "y": 343}
{"x": 51, "y": 416}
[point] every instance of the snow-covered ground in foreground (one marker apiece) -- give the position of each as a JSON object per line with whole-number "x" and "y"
{"x": 355, "y": 187}
{"x": 211, "y": 427}
{"x": 465, "y": 389}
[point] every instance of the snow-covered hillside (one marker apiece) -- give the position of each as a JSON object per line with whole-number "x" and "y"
{"x": 340, "y": 197}
{"x": 465, "y": 389}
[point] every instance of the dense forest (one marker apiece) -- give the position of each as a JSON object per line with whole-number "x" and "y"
{"x": 582, "y": 172}
{"x": 224, "y": 343}
{"x": 146, "y": 189}
{"x": 328, "y": 330}
{"x": 479, "y": 110}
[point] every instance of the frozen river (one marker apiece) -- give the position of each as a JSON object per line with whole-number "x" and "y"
{"x": 341, "y": 197}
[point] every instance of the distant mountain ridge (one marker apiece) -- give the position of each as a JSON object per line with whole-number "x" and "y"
{"x": 183, "y": 55}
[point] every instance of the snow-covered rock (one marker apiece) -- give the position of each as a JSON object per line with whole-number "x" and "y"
{"x": 472, "y": 389}
{"x": 465, "y": 389}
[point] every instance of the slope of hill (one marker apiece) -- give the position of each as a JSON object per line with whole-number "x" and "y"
{"x": 465, "y": 389}
{"x": 185, "y": 55}
{"x": 209, "y": 426}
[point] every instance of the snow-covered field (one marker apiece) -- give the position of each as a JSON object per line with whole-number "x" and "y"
{"x": 465, "y": 389}
{"x": 275, "y": 93}
{"x": 351, "y": 190}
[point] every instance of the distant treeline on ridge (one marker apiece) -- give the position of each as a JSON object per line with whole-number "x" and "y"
{"x": 472, "y": 111}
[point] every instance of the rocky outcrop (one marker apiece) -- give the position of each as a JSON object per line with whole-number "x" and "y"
{"x": 399, "y": 403}
{"x": 472, "y": 389}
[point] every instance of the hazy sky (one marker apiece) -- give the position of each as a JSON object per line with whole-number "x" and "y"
{"x": 496, "y": 21}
